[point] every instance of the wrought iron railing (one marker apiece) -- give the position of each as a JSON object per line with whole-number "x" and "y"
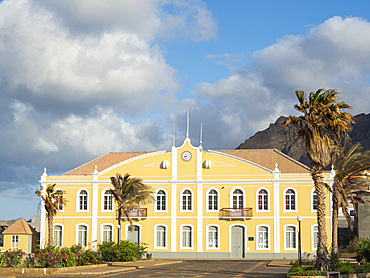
{"x": 138, "y": 213}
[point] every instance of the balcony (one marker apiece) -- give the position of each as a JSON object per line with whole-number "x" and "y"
{"x": 138, "y": 213}
{"x": 236, "y": 213}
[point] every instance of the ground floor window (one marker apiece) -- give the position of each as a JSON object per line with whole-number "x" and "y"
{"x": 186, "y": 237}
{"x": 315, "y": 236}
{"x": 107, "y": 233}
{"x": 15, "y": 241}
{"x": 263, "y": 237}
{"x": 212, "y": 237}
{"x": 161, "y": 237}
{"x": 58, "y": 235}
{"x": 290, "y": 237}
{"x": 82, "y": 235}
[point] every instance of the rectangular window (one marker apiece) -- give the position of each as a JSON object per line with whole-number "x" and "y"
{"x": 315, "y": 237}
{"x": 314, "y": 201}
{"x": 290, "y": 237}
{"x": 107, "y": 233}
{"x": 161, "y": 237}
{"x": 108, "y": 201}
{"x": 82, "y": 236}
{"x": 263, "y": 238}
{"x": 212, "y": 237}
{"x": 15, "y": 241}
{"x": 58, "y": 235}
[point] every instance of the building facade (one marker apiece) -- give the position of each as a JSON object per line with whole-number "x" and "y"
{"x": 208, "y": 204}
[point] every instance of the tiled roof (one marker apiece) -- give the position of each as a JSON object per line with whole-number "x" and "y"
{"x": 103, "y": 162}
{"x": 20, "y": 227}
{"x": 266, "y": 158}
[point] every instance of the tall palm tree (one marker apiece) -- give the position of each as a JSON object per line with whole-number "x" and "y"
{"x": 53, "y": 202}
{"x": 349, "y": 184}
{"x": 321, "y": 126}
{"x": 128, "y": 194}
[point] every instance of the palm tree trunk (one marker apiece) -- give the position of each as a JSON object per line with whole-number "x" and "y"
{"x": 119, "y": 233}
{"x": 322, "y": 260}
{"x": 334, "y": 231}
{"x": 50, "y": 230}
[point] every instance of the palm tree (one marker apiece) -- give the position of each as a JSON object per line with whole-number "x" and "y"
{"x": 128, "y": 193}
{"x": 321, "y": 126}
{"x": 349, "y": 184}
{"x": 53, "y": 202}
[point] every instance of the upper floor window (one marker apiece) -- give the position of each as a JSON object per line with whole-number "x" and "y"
{"x": 262, "y": 200}
{"x": 212, "y": 200}
{"x": 82, "y": 199}
{"x": 290, "y": 237}
{"x": 262, "y": 237}
{"x": 60, "y": 193}
{"x": 108, "y": 200}
{"x": 186, "y": 200}
{"x": 186, "y": 237}
{"x": 290, "y": 200}
{"x": 238, "y": 198}
{"x": 313, "y": 200}
{"x": 161, "y": 200}
{"x": 58, "y": 235}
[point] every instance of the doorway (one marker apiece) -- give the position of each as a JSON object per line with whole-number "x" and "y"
{"x": 237, "y": 242}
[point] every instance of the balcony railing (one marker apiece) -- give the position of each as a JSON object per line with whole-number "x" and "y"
{"x": 236, "y": 213}
{"x": 138, "y": 213}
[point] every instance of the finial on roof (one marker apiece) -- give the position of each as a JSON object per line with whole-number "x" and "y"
{"x": 187, "y": 124}
{"x": 332, "y": 171}
{"x": 44, "y": 174}
{"x": 201, "y": 133}
{"x": 96, "y": 170}
{"x": 276, "y": 167}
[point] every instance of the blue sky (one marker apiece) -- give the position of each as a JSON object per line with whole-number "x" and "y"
{"x": 79, "y": 79}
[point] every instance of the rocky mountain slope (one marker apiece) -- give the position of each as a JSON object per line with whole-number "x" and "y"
{"x": 287, "y": 140}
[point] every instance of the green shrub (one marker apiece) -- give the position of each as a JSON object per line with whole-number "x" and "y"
{"x": 12, "y": 258}
{"x": 128, "y": 251}
{"x": 298, "y": 270}
{"x": 363, "y": 250}
{"x": 344, "y": 268}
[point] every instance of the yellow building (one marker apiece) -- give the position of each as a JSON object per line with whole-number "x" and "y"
{"x": 208, "y": 204}
{"x": 20, "y": 235}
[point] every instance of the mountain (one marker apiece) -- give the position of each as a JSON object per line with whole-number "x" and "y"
{"x": 287, "y": 140}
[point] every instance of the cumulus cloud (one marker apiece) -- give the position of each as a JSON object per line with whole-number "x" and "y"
{"x": 333, "y": 55}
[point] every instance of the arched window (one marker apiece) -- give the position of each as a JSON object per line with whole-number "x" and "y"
{"x": 212, "y": 237}
{"x": 212, "y": 200}
{"x": 161, "y": 200}
{"x": 107, "y": 233}
{"x": 186, "y": 200}
{"x": 186, "y": 237}
{"x": 262, "y": 200}
{"x": 82, "y": 200}
{"x": 108, "y": 200}
{"x": 290, "y": 200}
{"x": 160, "y": 236}
{"x": 238, "y": 198}
{"x": 262, "y": 237}
{"x": 82, "y": 235}
{"x": 58, "y": 235}
{"x": 290, "y": 237}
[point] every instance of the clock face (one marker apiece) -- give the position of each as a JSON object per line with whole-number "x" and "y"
{"x": 186, "y": 156}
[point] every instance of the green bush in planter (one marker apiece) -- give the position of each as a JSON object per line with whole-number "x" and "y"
{"x": 128, "y": 251}
{"x": 363, "y": 250}
{"x": 298, "y": 270}
{"x": 344, "y": 268}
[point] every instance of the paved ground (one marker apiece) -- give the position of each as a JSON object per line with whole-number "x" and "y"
{"x": 186, "y": 268}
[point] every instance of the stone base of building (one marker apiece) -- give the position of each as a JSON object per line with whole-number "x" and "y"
{"x": 220, "y": 255}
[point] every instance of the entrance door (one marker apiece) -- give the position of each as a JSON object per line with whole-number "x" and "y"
{"x": 133, "y": 234}
{"x": 237, "y": 242}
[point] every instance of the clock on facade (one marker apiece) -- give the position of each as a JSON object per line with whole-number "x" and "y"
{"x": 186, "y": 156}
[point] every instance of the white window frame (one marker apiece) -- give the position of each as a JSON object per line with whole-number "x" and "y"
{"x": 155, "y": 236}
{"x": 218, "y": 237}
{"x": 182, "y": 247}
{"x": 102, "y": 231}
{"x": 207, "y": 200}
{"x": 155, "y": 198}
{"x": 268, "y": 237}
{"x": 191, "y": 199}
{"x": 313, "y": 247}
{"x": 87, "y": 234}
{"x": 296, "y": 237}
{"x": 61, "y": 239}
{"x": 295, "y": 199}
{"x": 102, "y": 201}
{"x": 268, "y": 200}
{"x": 15, "y": 241}
{"x": 312, "y": 194}
{"x": 78, "y": 200}
{"x": 232, "y": 195}
{"x": 59, "y": 189}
